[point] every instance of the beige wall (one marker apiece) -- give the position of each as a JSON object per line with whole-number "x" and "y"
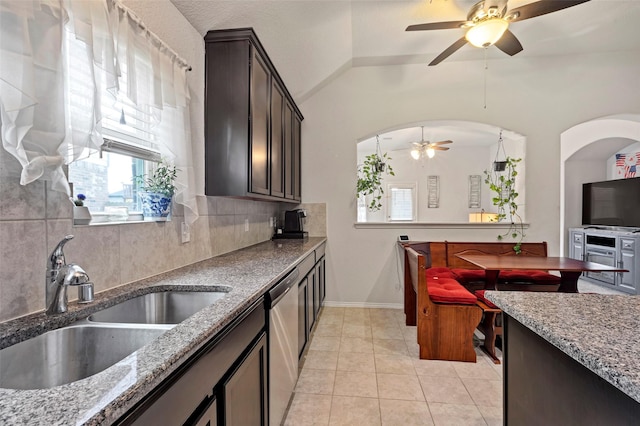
{"x": 538, "y": 98}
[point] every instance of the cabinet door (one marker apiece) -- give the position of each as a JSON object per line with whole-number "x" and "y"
{"x": 288, "y": 151}
{"x": 317, "y": 301}
{"x": 302, "y": 316}
{"x": 245, "y": 392}
{"x": 311, "y": 319}
{"x": 259, "y": 141}
{"x": 210, "y": 416}
{"x": 322, "y": 279}
{"x": 297, "y": 188}
{"x": 627, "y": 260}
{"x": 576, "y": 245}
{"x": 277, "y": 145}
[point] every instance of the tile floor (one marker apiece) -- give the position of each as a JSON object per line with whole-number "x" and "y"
{"x": 362, "y": 368}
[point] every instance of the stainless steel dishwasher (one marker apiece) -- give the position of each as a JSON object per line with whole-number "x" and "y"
{"x": 282, "y": 305}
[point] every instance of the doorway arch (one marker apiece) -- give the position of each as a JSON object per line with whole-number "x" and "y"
{"x": 590, "y": 142}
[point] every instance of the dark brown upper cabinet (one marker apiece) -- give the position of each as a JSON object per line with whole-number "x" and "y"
{"x": 252, "y": 124}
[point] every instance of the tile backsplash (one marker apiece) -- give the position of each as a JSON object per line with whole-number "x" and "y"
{"x": 33, "y": 218}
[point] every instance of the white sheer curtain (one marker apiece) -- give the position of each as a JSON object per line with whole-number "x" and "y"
{"x": 43, "y": 129}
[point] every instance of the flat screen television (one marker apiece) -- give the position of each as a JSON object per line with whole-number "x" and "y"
{"x": 612, "y": 203}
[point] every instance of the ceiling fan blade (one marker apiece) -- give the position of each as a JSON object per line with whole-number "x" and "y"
{"x": 442, "y": 142}
{"x": 509, "y": 43}
{"x": 541, "y": 7}
{"x": 440, "y": 148}
{"x": 436, "y": 26}
{"x": 449, "y": 51}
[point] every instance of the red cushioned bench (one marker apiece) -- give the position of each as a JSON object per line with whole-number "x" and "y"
{"x": 446, "y": 267}
{"x": 447, "y": 315}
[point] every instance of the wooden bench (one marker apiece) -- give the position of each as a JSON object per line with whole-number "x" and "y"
{"x": 443, "y": 255}
{"x": 445, "y": 330}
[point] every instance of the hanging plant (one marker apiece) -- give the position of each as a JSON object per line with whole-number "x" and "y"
{"x": 503, "y": 184}
{"x": 370, "y": 177}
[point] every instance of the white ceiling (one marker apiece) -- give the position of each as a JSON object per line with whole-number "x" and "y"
{"x": 310, "y": 41}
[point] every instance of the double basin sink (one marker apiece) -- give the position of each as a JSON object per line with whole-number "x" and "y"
{"x": 94, "y": 344}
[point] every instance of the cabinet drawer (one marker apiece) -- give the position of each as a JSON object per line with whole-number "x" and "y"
{"x": 627, "y": 244}
{"x": 320, "y": 251}
{"x": 307, "y": 264}
{"x": 578, "y": 238}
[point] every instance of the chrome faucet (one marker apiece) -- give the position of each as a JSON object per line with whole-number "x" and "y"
{"x": 59, "y": 276}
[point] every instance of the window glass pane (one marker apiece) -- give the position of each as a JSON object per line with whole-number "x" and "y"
{"x": 108, "y": 182}
{"x": 401, "y": 204}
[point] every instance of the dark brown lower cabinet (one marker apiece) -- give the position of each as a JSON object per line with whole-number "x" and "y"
{"x": 322, "y": 280}
{"x": 302, "y": 316}
{"x": 223, "y": 383}
{"x": 311, "y": 290}
{"x": 245, "y": 390}
{"x": 545, "y": 386}
{"x": 311, "y": 294}
{"x": 210, "y": 415}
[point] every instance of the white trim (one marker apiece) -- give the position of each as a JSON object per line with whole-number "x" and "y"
{"x": 459, "y": 225}
{"x": 363, "y": 305}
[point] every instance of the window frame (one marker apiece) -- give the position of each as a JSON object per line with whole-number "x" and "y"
{"x": 413, "y": 186}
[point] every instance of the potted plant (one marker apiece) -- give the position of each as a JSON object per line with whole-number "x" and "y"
{"x": 370, "y": 178}
{"x": 503, "y": 184}
{"x": 157, "y": 192}
{"x": 81, "y": 214}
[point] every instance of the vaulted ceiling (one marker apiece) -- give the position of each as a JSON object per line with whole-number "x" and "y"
{"x": 311, "y": 41}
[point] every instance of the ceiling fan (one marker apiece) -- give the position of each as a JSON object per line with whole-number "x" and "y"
{"x": 488, "y": 24}
{"x": 422, "y": 148}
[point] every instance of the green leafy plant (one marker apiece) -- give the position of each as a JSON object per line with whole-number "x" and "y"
{"x": 370, "y": 176}
{"x": 503, "y": 185}
{"x": 161, "y": 180}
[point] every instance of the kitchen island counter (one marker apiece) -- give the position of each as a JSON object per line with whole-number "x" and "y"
{"x": 562, "y": 349}
{"x": 106, "y": 396}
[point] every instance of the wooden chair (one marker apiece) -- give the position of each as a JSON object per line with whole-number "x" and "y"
{"x": 445, "y": 331}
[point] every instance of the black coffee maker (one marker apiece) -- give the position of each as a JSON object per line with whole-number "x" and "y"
{"x": 294, "y": 225}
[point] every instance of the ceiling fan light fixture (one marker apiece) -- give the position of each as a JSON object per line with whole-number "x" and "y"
{"x": 430, "y": 152}
{"x": 415, "y": 154}
{"x": 486, "y": 33}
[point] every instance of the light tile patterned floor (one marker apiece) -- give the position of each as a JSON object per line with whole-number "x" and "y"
{"x": 362, "y": 368}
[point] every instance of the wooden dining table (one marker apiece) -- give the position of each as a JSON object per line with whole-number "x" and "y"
{"x": 570, "y": 269}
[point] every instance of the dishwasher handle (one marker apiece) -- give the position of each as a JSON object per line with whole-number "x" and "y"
{"x": 278, "y": 291}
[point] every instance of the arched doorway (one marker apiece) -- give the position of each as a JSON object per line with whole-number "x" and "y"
{"x": 584, "y": 152}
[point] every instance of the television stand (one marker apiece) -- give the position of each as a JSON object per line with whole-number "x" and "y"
{"x": 613, "y": 247}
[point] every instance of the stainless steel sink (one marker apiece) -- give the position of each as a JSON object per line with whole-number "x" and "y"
{"x": 68, "y": 354}
{"x": 169, "y": 307}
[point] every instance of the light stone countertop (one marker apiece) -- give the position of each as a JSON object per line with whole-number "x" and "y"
{"x": 599, "y": 331}
{"x": 106, "y": 396}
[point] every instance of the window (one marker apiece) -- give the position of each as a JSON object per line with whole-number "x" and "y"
{"x": 108, "y": 179}
{"x": 402, "y": 202}
{"x": 105, "y": 76}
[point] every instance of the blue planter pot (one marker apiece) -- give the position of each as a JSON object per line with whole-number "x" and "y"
{"x": 156, "y": 206}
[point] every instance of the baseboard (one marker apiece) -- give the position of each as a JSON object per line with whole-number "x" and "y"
{"x": 363, "y": 305}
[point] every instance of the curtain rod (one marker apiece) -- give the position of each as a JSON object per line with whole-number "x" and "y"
{"x": 157, "y": 39}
